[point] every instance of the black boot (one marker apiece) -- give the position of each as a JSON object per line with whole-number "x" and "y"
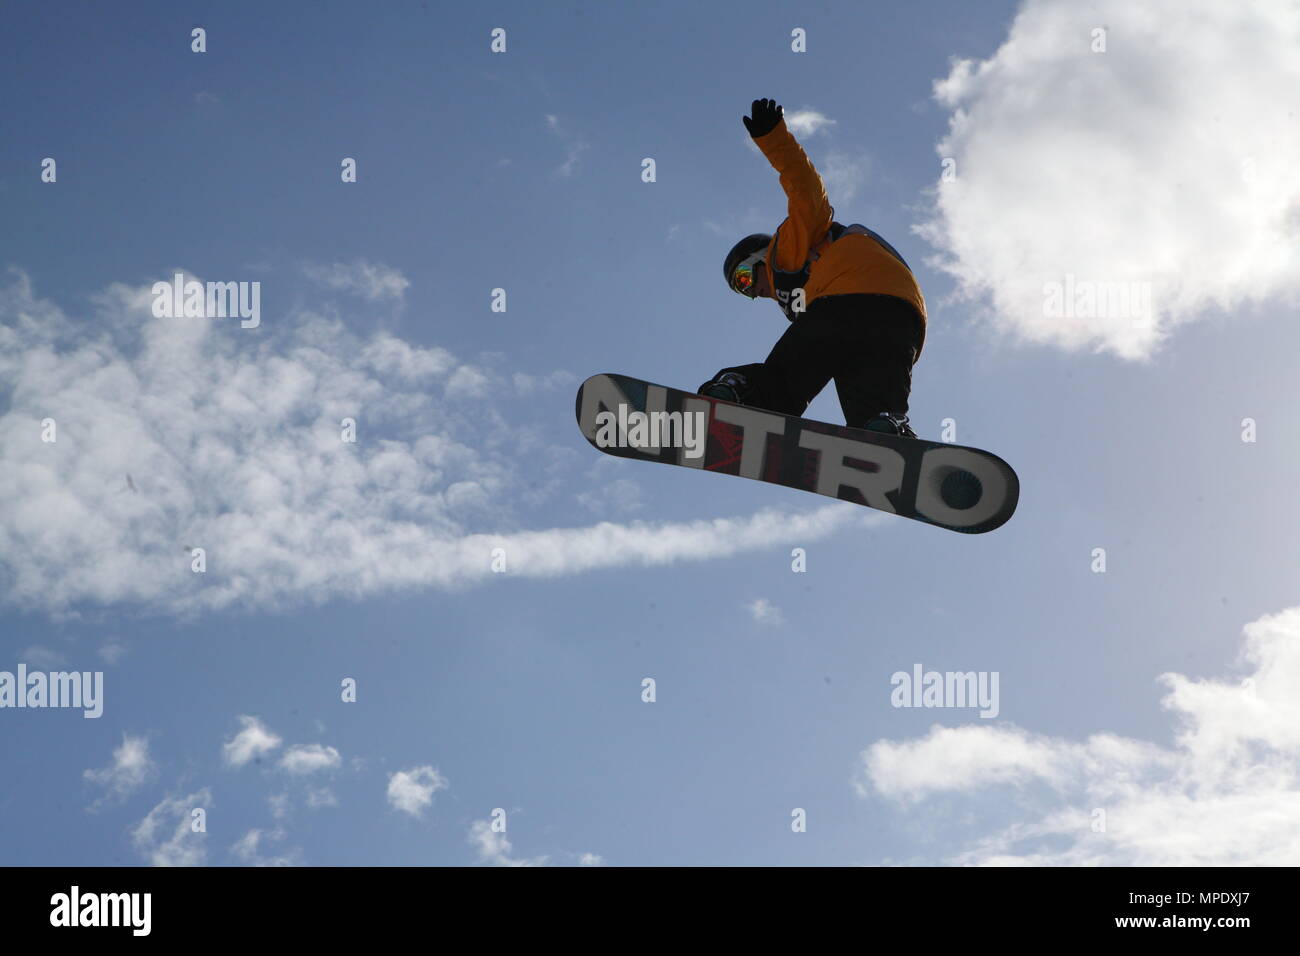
{"x": 890, "y": 424}
{"x": 728, "y": 386}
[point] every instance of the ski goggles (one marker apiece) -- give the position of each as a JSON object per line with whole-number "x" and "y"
{"x": 744, "y": 277}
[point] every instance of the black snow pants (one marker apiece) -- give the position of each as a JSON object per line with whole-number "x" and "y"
{"x": 866, "y": 343}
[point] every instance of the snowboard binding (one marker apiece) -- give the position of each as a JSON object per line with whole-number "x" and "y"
{"x": 728, "y": 386}
{"x": 890, "y": 424}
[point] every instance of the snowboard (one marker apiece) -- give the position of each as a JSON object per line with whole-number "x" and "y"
{"x": 949, "y": 486}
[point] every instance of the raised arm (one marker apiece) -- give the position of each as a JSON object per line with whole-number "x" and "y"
{"x": 808, "y": 208}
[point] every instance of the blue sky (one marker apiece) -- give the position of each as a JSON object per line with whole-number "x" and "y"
{"x": 1158, "y": 161}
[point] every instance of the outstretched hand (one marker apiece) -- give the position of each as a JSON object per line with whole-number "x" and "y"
{"x": 764, "y": 115}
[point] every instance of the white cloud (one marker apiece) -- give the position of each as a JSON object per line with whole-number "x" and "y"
{"x": 281, "y": 805}
{"x": 620, "y": 495}
{"x": 1167, "y": 159}
{"x": 493, "y": 847}
{"x": 250, "y": 743}
{"x": 285, "y": 511}
{"x": 39, "y": 657}
{"x": 412, "y": 790}
{"x": 131, "y": 768}
{"x": 843, "y": 174}
{"x": 370, "y": 281}
{"x": 1226, "y": 794}
{"x": 248, "y": 849}
{"x": 806, "y": 122}
{"x": 467, "y": 381}
{"x": 526, "y": 384}
{"x": 570, "y": 550}
{"x": 310, "y": 758}
{"x": 390, "y": 356}
{"x": 112, "y": 652}
{"x": 166, "y": 836}
{"x": 765, "y": 612}
{"x": 591, "y": 859}
{"x": 321, "y": 797}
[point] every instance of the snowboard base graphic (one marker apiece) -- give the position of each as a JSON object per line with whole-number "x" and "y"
{"x": 950, "y": 486}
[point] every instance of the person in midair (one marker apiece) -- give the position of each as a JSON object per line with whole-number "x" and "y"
{"x": 856, "y": 313}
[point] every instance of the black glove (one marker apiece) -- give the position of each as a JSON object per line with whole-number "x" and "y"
{"x": 766, "y": 114}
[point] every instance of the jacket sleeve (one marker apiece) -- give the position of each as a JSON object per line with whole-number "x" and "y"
{"x": 809, "y": 210}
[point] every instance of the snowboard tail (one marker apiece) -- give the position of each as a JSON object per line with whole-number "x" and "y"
{"x": 950, "y": 486}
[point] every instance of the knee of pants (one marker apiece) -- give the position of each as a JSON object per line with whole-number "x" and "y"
{"x": 772, "y": 391}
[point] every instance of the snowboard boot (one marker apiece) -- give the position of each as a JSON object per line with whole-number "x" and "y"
{"x": 729, "y": 386}
{"x": 890, "y": 424}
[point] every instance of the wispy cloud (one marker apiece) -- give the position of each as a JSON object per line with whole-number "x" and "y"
{"x": 167, "y": 837}
{"x": 42, "y": 658}
{"x": 112, "y": 652}
{"x": 561, "y": 551}
{"x": 285, "y": 509}
{"x": 526, "y": 384}
{"x": 1226, "y": 794}
{"x": 365, "y": 279}
{"x": 131, "y": 769}
{"x": 612, "y": 496}
{"x": 765, "y": 612}
{"x": 248, "y": 849}
{"x": 468, "y": 382}
{"x": 321, "y": 797}
{"x": 574, "y": 146}
{"x": 494, "y": 849}
{"x": 844, "y": 175}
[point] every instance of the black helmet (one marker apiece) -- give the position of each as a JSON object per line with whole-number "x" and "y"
{"x": 742, "y": 250}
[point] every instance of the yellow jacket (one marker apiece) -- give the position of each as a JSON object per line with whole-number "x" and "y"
{"x": 854, "y": 262}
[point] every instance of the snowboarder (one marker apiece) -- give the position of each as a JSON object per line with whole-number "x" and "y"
{"x": 856, "y": 312}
